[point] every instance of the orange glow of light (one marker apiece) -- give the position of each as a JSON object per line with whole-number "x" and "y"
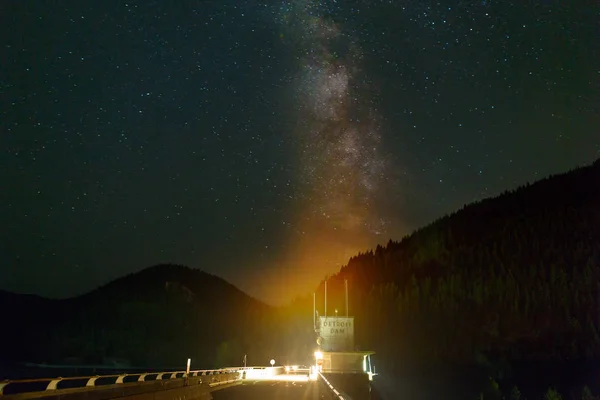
{"x": 321, "y": 247}
{"x": 306, "y": 262}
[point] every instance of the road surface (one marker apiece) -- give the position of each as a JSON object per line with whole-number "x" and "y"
{"x": 276, "y": 390}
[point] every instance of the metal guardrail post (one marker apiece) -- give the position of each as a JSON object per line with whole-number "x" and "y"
{"x": 2, "y": 385}
{"x": 53, "y": 384}
{"x": 92, "y": 381}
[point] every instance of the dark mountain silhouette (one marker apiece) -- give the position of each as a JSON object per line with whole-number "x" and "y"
{"x": 22, "y": 317}
{"x": 509, "y": 285}
{"x": 509, "y": 279}
{"x": 513, "y": 277}
{"x": 159, "y": 316}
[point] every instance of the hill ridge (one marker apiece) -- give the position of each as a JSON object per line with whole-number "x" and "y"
{"x": 496, "y": 269}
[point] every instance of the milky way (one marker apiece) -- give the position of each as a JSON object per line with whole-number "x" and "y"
{"x": 269, "y": 142}
{"x": 342, "y": 165}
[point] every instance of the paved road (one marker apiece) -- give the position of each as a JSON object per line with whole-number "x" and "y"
{"x": 276, "y": 390}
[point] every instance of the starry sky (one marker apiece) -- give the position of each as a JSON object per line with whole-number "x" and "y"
{"x": 268, "y": 142}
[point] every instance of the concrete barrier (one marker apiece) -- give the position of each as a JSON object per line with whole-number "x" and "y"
{"x": 261, "y": 372}
{"x": 350, "y": 385}
{"x": 337, "y": 394}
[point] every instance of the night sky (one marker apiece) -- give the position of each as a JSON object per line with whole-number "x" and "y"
{"x": 269, "y": 142}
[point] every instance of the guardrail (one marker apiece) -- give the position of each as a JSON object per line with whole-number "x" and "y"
{"x": 21, "y": 386}
{"x": 137, "y": 383}
{"x": 335, "y": 391}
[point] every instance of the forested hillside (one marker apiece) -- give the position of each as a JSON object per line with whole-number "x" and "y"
{"x": 515, "y": 277}
{"x": 157, "y": 317}
{"x": 512, "y": 278}
{"x": 25, "y": 321}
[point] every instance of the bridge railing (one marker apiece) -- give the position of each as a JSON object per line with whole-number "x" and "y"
{"x": 99, "y": 381}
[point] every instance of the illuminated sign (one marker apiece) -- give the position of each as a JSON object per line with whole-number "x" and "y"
{"x": 336, "y": 326}
{"x": 337, "y": 333}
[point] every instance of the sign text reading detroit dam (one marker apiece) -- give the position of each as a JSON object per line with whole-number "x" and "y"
{"x": 336, "y": 327}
